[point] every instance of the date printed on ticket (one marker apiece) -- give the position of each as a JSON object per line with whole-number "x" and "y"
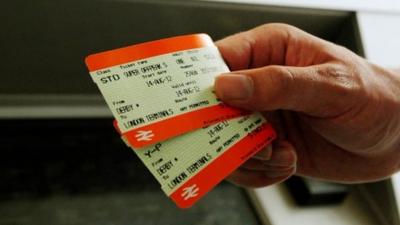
{"x": 162, "y": 97}
{"x": 161, "y": 89}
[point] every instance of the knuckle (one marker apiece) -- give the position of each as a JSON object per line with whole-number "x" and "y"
{"x": 344, "y": 79}
{"x": 280, "y": 26}
{"x": 272, "y": 85}
{"x": 343, "y": 84}
{"x": 282, "y": 81}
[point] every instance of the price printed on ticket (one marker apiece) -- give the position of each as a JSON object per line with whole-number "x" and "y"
{"x": 161, "y": 95}
{"x": 161, "y": 89}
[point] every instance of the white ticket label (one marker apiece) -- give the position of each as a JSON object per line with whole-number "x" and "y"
{"x": 194, "y": 155}
{"x": 159, "y": 90}
{"x": 163, "y": 96}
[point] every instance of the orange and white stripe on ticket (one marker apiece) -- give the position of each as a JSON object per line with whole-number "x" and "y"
{"x": 161, "y": 89}
{"x": 189, "y": 166}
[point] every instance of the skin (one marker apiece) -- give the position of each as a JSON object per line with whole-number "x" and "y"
{"x": 337, "y": 115}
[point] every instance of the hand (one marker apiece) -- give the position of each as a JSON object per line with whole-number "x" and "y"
{"x": 338, "y": 116}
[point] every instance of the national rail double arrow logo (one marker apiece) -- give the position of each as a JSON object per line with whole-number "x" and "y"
{"x": 144, "y": 135}
{"x": 190, "y": 192}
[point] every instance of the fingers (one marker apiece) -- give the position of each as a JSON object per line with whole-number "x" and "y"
{"x": 293, "y": 71}
{"x": 258, "y": 173}
{"x": 252, "y": 49}
{"x": 264, "y": 154}
{"x": 255, "y": 179}
{"x": 270, "y": 44}
{"x": 321, "y": 90}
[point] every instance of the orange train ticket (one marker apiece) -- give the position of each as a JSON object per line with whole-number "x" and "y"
{"x": 189, "y": 166}
{"x": 161, "y": 94}
{"x": 161, "y": 89}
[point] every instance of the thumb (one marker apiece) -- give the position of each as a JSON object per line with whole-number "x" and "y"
{"x": 315, "y": 90}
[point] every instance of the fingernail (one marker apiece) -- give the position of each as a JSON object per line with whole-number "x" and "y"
{"x": 276, "y": 174}
{"x": 234, "y": 87}
{"x": 264, "y": 154}
{"x": 282, "y": 158}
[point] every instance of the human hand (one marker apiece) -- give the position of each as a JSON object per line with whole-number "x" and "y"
{"x": 338, "y": 116}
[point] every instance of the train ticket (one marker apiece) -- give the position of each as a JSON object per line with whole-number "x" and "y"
{"x": 161, "y": 89}
{"x": 189, "y": 166}
{"x": 161, "y": 95}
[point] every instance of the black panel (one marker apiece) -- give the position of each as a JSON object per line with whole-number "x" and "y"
{"x": 44, "y": 42}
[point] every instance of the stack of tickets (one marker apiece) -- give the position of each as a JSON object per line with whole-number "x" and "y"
{"x": 161, "y": 95}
